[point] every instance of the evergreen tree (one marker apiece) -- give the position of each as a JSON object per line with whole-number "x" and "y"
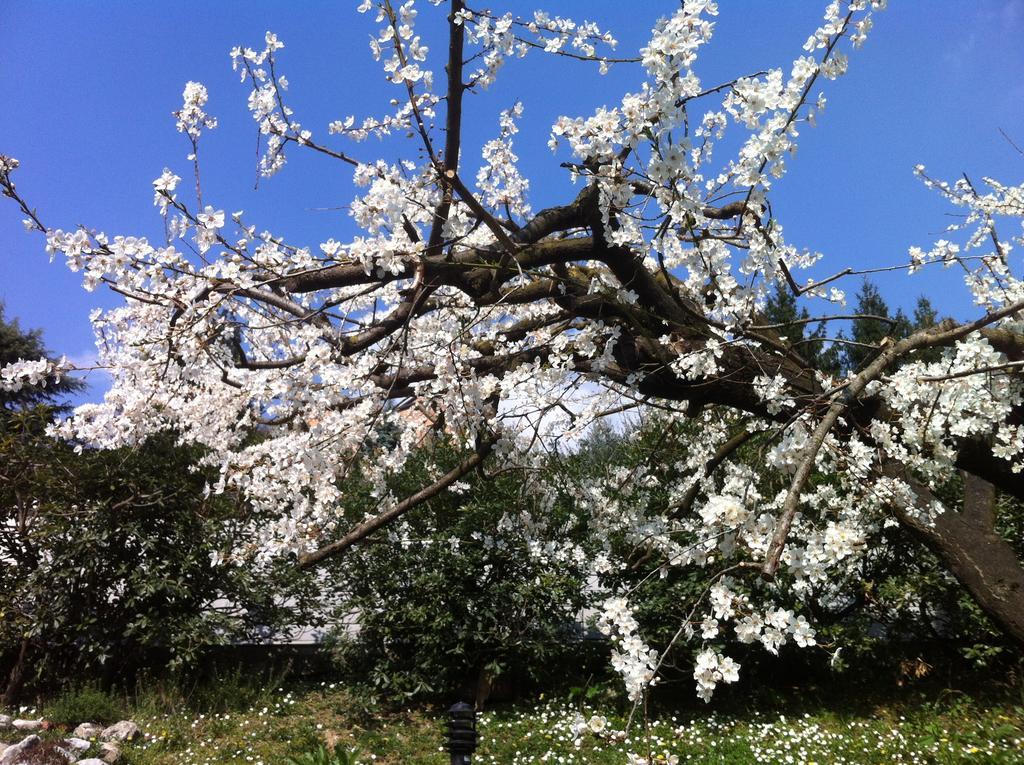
{"x": 108, "y": 558}
{"x": 829, "y": 357}
{"x": 872, "y": 332}
{"x": 813, "y": 346}
{"x": 867, "y": 334}
{"x": 781, "y": 310}
{"x": 925, "y": 315}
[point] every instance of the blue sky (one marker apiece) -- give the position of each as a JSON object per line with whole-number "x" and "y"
{"x": 89, "y": 87}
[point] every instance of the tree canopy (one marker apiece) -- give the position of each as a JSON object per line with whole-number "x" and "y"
{"x": 462, "y": 309}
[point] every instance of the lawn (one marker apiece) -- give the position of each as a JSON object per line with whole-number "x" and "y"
{"x": 266, "y": 726}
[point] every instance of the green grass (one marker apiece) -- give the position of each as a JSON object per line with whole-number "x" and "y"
{"x": 269, "y": 725}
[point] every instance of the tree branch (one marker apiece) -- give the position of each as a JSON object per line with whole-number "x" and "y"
{"x": 945, "y": 333}
{"x": 364, "y": 529}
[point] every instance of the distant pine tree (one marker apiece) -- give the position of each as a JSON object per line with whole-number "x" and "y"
{"x": 865, "y": 336}
{"x": 795, "y": 330}
{"x": 872, "y": 332}
{"x": 781, "y": 310}
{"x": 925, "y": 315}
{"x": 829, "y": 355}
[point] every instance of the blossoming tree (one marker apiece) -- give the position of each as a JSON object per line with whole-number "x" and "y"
{"x": 517, "y": 328}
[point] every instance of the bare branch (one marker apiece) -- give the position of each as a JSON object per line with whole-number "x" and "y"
{"x": 1010, "y": 365}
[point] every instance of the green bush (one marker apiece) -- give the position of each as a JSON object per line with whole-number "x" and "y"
{"x": 114, "y": 571}
{"x": 462, "y": 596}
{"x": 84, "y": 704}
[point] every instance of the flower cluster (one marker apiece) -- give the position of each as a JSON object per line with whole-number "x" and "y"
{"x": 504, "y": 37}
{"x": 632, "y": 658}
{"x": 502, "y": 187}
{"x": 191, "y": 117}
{"x": 32, "y": 372}
{"x": 711, "y": 668}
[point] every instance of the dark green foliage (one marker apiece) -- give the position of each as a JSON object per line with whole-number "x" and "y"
{"x": 792, "y": 322}
{"x": 430, "y": 622}
{"x": 795, "y": 330}
{"x": 925, "y": 315}
{"x": 898, "y": 613}
{"x": 111, "y": 555}
{"x": 451, "y": 600}
{"x": 867, "y": 334}
{"x": 905, "y": 605}
{"x": 782, "y": 309}
{"x": 895, "y": 562}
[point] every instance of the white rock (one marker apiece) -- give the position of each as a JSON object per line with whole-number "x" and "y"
{"x": 6, "y": 722}
{"x": 78, "y": 744}
{"x": 125, "y": 730}
{"x": 110, "y": 753}
{"x": 28, "y": 724}
{"x": 14, "y": 753}
{"x": 90, "y": 761}
{"x": 87, "y": 730}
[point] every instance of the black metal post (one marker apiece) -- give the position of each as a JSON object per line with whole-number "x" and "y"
{"x": 461, "y": 733}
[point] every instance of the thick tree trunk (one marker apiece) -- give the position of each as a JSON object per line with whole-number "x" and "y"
{"x": 16, "y": 677}
{"x": 981, "y": 560}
